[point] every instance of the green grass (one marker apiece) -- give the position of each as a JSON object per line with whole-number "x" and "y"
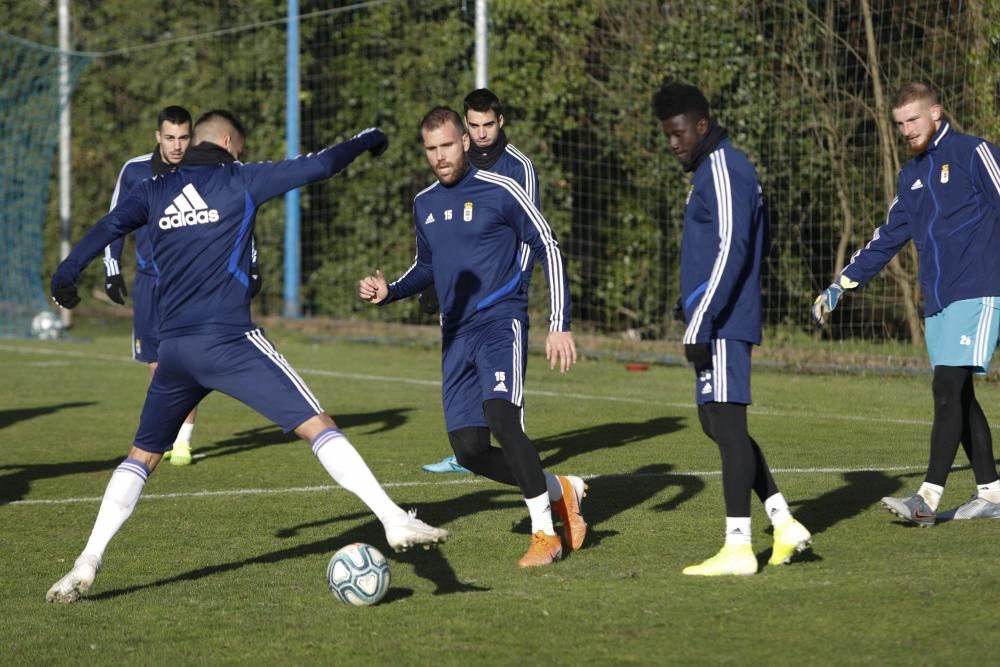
{"x": 223, "y": 562}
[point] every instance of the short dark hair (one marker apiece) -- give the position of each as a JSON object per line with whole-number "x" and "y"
{"x": 674, "y": 99}
{"x": 229, "y": 116}
{"x": 438, "y": 116}
{"x": 483, "y": 100}
{"x": 914, "y": 91}
{"x": 173, "y": 114}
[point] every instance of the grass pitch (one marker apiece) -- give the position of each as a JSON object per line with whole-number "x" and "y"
{"x": 223, "y": 561}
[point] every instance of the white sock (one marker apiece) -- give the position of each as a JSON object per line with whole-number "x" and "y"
{"x": 738, "y": 530}
{"x": 540, "y": 511}
{"x": 348, "y": 469}
{"x": 554, "y": 487}
{"x": 990, "y": 492}
{"x": 120, "y": 498}
{"x": 931, "y": 493}
{"x": 777, "y": 509}
{"x": 184, "y": 435}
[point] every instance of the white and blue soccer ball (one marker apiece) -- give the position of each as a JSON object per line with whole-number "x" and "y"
{"x": 46, "y": 325}
{"x": 358, "y": 574}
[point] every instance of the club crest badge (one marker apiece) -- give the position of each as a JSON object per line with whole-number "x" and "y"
{"x": 467, "y": 212}
{"x": 944, "y": 173}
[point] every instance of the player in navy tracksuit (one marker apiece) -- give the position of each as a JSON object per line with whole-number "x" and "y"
{"x": 723, "y": 248}
{"x": 948, "y": 203}
{"x": 470, "y": 226}
{"x": 172, "y": 137}
{"x": 200, "y": 220}
{"x": 490, "y": 150}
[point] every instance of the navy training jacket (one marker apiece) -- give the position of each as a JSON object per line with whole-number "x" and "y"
{"x": 469, "y": 236}
{"x": 200, "y": 221}
{"x": 723, "y": 248}
{"x": 948, "y": 203}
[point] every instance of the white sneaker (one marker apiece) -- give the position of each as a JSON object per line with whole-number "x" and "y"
{"x": 76, "y": 582}
{"x": 975, "y": 508}
{"x": 405, "y": 530}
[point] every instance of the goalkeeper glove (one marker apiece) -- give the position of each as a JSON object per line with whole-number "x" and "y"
{"x": 114, "y": 287}
{"x": 429, "y": 301}
{"x": 65, "y": 295}
{"x": 699, "y": 354}
{"x": 828, "y": 298}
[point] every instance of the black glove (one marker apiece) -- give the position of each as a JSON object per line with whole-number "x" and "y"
{"x": 429, "y": 301}
{"x": 256, "y": 282}
{"x": 114, "y": 287}
{"x": 380, "y": 142}
{"x": 65, "y": 295}
{"x": 678, "y": 311}
{"x": 699, "y": 354}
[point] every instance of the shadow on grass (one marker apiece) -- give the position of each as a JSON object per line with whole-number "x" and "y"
{"x": 610, "y": 495}
{"x": 11, "y": 417}
{"x": 429, "y": 564}
{"x": 267, "y": 436}
{"x": 860, "y": 491}
{"x": 15, "y": 485}
{"x": 560, "y": 448}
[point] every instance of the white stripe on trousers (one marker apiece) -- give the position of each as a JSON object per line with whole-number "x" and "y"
{"x": 264, "y": 345}
{"x": 517, "y": 384}
{"x": 986, "y": 315}
{"x": 719, "y": 363}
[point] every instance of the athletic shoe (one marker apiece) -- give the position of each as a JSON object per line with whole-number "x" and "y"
{"x": 76, "y": 582}
{"x": 976, "y": 508}
{"x": 544, "y": 549}
{"x": 447, "y": 464}
{"x": 181, "y": 453}
{"x": 913, "y": 509}
{"x": 405, "y": 530}
{"x": 569, "y": 509}
{"x": 790, "y": 538}
{"x": 732, "y": 559}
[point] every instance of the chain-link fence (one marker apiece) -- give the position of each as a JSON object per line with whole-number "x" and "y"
{"x": 804, "y": 87}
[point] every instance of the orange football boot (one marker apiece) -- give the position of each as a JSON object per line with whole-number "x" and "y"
{"x": 568, "y": 509}
{"x": 544, "y": 549}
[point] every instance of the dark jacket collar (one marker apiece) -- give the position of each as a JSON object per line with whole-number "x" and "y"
{"x": 943, "y": 131}
{"x": 716, "y": 133}
{"x": 485, "y": 158}
{"x": 207, "y": 153}
{"x": 157, "y": 164}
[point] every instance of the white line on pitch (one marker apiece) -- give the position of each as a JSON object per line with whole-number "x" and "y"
{"x": 764, "y": 412}
{"x": 229, "y": 493}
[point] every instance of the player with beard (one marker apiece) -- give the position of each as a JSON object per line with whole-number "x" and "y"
{"x": 948, "y": 203}
{"x": 490, "y": 150}
{"x": 470, "y": 227}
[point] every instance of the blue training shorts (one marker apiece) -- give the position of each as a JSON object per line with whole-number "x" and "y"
{"x": 245, "y": 366}
{"x": 964, "y": 333}
{"x": 145, "y": 318}
{"x": 728, "y": 380}
{"x": 482, "y": 364}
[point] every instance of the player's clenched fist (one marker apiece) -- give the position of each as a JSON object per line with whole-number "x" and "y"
{"x": 373, "y": 289}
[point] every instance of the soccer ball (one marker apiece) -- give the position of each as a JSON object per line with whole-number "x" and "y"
{"x": 46, "y": 325}
{"x": 358, "y": 574}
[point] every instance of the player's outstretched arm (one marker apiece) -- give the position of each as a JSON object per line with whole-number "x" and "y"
{"x": 560, "y": 348}
{"x": 828, "y": 299}
{"x": 373, "y": 289}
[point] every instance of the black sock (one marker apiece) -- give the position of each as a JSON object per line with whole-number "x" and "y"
{"x": 726, "y": 424}
{"x": 952, "y": 389}
{"x": 522, "y": 459}
{"x": 473, "y": 451}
